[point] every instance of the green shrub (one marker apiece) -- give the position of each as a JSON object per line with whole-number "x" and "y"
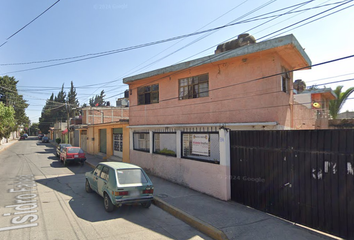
{"x": 58, "y": 140}
{"x": 166, "y": 151}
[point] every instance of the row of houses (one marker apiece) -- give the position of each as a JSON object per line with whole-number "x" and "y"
{"x": 179, "y": 117}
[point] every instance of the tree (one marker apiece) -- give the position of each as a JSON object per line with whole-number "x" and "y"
{"x": 7, "y": 120}
{"x": 10, "y": 96}
{"x": 47, "y": 117}
{"x": 72, "y": 102}
{"x": 34, "y": 128}
{"x": 59, "y": 108}
{"x": 97, "y": 100}
{"x": 336, "y": 105}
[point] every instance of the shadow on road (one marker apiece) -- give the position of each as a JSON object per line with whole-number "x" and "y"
{"x": 89, "y": 206}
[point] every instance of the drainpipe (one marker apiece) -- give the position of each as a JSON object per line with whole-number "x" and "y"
{"x": 291, "y": 108}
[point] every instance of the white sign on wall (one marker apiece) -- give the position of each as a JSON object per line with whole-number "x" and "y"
{"x": 200, "y": 144}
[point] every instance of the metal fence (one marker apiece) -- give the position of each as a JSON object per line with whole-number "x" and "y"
{"x": 305, "y": 176}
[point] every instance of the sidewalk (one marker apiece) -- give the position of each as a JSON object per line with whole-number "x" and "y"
{"x": 6, "y": 145}
{"x": 219, "y": 219}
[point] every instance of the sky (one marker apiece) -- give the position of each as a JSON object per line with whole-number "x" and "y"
{"x": 71, "y": 29}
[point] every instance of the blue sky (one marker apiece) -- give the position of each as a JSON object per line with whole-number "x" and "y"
{"x": 74, "y": 28}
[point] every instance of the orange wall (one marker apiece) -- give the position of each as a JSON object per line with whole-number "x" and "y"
{"x": 255, "y": 101}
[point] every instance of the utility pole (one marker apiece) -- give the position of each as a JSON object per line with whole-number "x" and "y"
{"x": 68, "y": 122}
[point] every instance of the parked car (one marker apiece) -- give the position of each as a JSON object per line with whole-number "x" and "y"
{"x": 72, "y": 154}
{"x": 61, "y": 147}
{"x": 120, "y": 183}
{"x": 22, "y": 138}
{"x": 45, "y": 139}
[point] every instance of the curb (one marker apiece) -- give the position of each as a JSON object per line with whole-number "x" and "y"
{"x": 192, "y": 221}
{"x": 90, "y": 164}
{"x": 203, "y": 227}
{"x": 12, "y": 142}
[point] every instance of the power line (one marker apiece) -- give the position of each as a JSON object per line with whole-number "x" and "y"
{"x": 30, "y": 22}
{"x": 101, "y": 54}
{"x": 297, "y": 5}
{"x": 310, "y": 18}
{"x": 330, "y": 77}
{"x": 229, "y": 99}
{"x": 202, "y": 37}
{"x": 130, "y": 72}
{"x": 255, "y": 79}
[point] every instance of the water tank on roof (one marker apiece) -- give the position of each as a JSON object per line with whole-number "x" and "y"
{"x": 122, "y": 102}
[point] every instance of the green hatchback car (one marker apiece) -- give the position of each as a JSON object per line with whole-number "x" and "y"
{"x": 120, "y": 183}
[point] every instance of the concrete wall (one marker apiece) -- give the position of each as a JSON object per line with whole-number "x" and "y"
{"x": 98, "y": 115}
{"x": 12, "y": 136}
{"x": 76, "y": 138}
{"x": 204, "y": 177}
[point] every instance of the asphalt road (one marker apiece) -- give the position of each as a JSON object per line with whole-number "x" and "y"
{"x": 42, "y": 199}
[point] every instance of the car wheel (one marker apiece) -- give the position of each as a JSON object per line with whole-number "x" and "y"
{"x": 108, "y": 206}
{"x": 88, "y": 187}
{"x": 146, "y": 204}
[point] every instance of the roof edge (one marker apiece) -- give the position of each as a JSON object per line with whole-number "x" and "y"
{"x": 245, "y": 50}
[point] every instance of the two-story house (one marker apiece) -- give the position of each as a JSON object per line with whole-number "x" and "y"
{"x": 104, "y": 132}
{"x": 180, "y": 115}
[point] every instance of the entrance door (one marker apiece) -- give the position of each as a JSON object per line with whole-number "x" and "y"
{"x": 83, "y": 140}
{"x": 118, "y": 142}
{"x": 103, "y": 140}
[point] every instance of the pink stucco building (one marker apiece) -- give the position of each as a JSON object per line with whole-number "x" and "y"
{"x": 180, "y": 115}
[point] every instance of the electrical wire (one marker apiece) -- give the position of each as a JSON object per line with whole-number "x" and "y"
{"x": 101, "y": 54}
{"x": 130, "y": 72}
{"x": 256, "y": 79}
{"x": 245, "y": 95}
{"x": 311, "y": 17}
{"x": 30, "y": 22}
{"x": 254, "y": 10}
{"x": 297, "y": 5}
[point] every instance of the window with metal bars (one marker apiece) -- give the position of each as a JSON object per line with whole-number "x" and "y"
{"x": 148, "y": 94}
{"x": 194, "y": 87}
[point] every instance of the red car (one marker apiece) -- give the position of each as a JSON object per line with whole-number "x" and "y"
{"x": 72, "y": 154}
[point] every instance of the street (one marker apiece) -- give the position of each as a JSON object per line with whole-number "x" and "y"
{"x": 42, "y": 199}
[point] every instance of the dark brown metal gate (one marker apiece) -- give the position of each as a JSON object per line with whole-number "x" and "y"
{"x": 305, "y": 176}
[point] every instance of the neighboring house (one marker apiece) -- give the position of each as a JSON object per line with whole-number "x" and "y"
{"x": 344, "y": 120}
{"x": 180, "y": 116}
{"x": 50, "y": 134}
{"x": 59, "y": 131}
{"x": 345, "y": 115}
{"x": 317, "y": 101}
{"x": 104, "y": 131}
{"x": 74, "y": 132}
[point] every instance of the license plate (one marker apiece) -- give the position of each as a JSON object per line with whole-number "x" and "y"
{"x": 76, "y": 156}
{"x": 134, "y": 193}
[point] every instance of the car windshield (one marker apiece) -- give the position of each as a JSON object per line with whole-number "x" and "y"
{"x": 65, "y": 145}
{"x": 131, "y": 176}
{"x": 75, "y": 150}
